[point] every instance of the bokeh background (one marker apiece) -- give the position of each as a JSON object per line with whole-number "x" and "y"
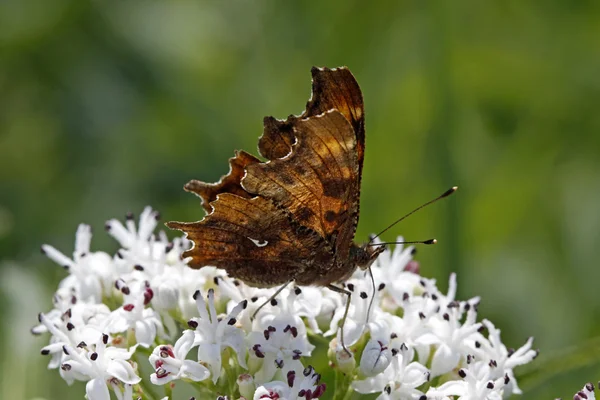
{"x": 107, "y": 106}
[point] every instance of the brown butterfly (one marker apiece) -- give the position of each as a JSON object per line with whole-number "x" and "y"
{"x": 293, "y": 217}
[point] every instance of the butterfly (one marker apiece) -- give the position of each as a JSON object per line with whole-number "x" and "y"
{"x": 294, "y": 216}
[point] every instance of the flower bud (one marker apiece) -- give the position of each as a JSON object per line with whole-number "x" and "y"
{"x": 375, "y": 358}
{"x": 246, "y": 385}
{"x": 345, "y": 362}
{"x": 166, "y": 295}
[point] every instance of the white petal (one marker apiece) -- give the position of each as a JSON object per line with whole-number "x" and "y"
{"x": 147, "y": 223}
{"x": 444, "y": 360}
{"x": 145, "y": 332}
{"x": 211, "y": 353}
{"x": 57, "y": 256}
{"x": 83, "y": 237}
{"x": 194, "y": 371}
{"x": 352, "y": 332}
{"x": 161, "y": 381}
{"x": 123, "y": 371}
{"x": 118, "y": 231}
{"x": 452, "y": 388}
{"x": 370, "y": 385}
{"x": 96, "y": 389}
{"x": 184, "y": 344}
{"x": 415, "y": 375}
{"x": 234, "y": 338}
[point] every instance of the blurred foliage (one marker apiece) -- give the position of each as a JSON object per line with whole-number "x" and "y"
{"x": 111, "y": 105}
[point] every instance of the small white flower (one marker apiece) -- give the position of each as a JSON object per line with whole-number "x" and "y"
{"x": 306, "y": 302}
{"x": 297, "y": 387}
{"x": 139, "y": 246}
{"x": 504, "y": 360}
{"x": 453, "y": 340}
{"x": 236, "y": 291}
{"x": 98, "y": 364}
{"x": 359, "y": 314}
{"x": 398, "y": 272}
{"x": 400, "y": 379}
{"x": 65, "y": 333}
{"x": 213, "y": 335}
{"x": 143, "y": 321}
{"x": 477, "y": 383}
{"x": 278, "y": 347}
{"x": 170, "y": 362}
{"x": 89, "y": 272}
{"x": 587, "y": 393}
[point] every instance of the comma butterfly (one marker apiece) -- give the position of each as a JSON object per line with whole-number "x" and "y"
{"x": 293, "y": 217}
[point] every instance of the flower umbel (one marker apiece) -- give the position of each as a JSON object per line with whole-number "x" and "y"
{"x": 108, "y": 312}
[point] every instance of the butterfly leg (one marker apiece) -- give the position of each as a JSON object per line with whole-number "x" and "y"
{"x": 270, "y": 299}
{"x": 349, "y": 294}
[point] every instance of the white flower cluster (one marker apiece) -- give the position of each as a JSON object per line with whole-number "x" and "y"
{"x": 145, "y": 305}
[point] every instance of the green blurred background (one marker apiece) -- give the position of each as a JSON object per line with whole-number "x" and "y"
{"x": 107, "y": 106}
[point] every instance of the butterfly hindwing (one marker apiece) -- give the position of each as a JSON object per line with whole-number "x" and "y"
{"x": 229, "y": 183}
{"x": 251, "y": 239}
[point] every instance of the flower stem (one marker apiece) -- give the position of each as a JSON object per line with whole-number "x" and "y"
{"x": 343, "y": 389}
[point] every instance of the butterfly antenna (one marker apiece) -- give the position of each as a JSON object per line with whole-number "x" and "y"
{"x": 445, "y": 194}
{"x": 428, "y": 241}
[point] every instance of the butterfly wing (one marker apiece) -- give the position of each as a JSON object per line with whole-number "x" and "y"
{"x": 295, "y": 215}
{"x": 229, "y": 183}
{"x": 332, "y": 89}
{"x": 251, "y": 239}
{"x": 317, "y": 181}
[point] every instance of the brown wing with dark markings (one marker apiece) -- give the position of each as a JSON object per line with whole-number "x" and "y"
{"x": 317, "y": 181}
{"x": 252, "y": 240}
{"x": 302, "y": 221}
{"x": 337, "y": 89}
{"x": 229, "y": 183}
{"x": 331, "y": 89}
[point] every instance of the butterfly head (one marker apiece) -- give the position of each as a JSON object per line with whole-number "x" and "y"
{"x": 363, "y": 256}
